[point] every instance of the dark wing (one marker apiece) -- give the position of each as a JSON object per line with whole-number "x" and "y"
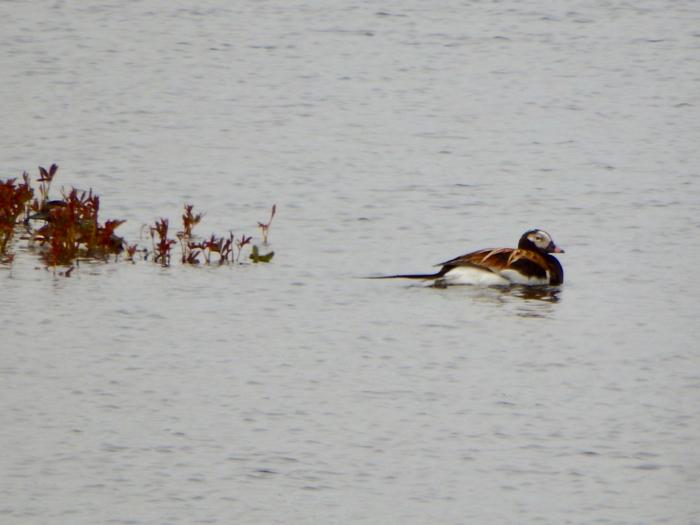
{"x": 479, "y": 258}
{"x": 526, "y": 262}
{"x": 556, "y": 271}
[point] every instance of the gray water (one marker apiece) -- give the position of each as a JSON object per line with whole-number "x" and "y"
{"x": 391, "y": 136}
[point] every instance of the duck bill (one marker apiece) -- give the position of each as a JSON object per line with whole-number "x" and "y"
{"x": 555, "y": 249}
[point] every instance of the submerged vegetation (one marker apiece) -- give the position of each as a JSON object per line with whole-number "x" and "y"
{"x": 67, "y": 230}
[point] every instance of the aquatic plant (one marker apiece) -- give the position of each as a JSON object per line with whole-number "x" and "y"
{"x": 45, "y": 178}
{"x": 190, "y": 251}
{"x": 14, "y": 200}
{"x": 257, "y": 257}
{"x": 70, "y": 229}
{"x": 162, "y": 245}
{"x": 190, "y": 220}
{"x": 240, "y": 243}
{"x": 221, "y": 245}
{"x": 130, "y": 250}
{"x": 265, "y": 226}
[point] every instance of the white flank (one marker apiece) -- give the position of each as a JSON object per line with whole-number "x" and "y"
{"x": 472, "y": 275}
{"x": 479, "y": 277}
{"x": 518, "y": 278}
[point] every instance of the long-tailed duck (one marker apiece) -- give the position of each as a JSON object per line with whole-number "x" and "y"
{"x": 529, "y": 264}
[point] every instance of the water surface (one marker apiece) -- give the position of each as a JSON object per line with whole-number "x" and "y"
{"x": 391, "y": 137}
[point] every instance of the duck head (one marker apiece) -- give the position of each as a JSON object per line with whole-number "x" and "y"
{"x": 539, "y": 241}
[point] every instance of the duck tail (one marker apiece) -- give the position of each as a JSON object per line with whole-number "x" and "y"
{"x": 425, "y": 276}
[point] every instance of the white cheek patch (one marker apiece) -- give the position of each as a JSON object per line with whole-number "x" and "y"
{"x": 544, "y": 239}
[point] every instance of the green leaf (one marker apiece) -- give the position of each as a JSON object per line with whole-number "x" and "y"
{"x": 256, "y": 257}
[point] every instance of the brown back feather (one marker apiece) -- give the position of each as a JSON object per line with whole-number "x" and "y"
{"x": 527, "y": 262}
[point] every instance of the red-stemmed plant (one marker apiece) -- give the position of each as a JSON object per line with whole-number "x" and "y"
{"x": 265, "y": 226}
{"x": 162, "y": 245}
{"x": 69, "y": 229}
{"x": 14, "y": 200}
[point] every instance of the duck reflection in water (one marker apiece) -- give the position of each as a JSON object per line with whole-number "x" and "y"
{"x": 521, "y": 301}
{"x": 547, "y": 294}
